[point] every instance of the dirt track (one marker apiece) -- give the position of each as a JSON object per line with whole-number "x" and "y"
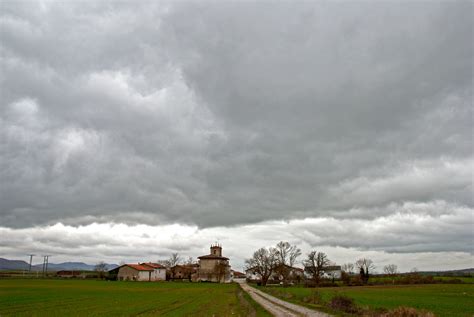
{"x": 278, "y": 307}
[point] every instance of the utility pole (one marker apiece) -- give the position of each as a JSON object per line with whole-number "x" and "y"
{"x": 44, "y": 264}
{"x": 31, "y": 259}
{"x": 47, "y": 261}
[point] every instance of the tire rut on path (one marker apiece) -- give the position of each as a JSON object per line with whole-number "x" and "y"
{"x": 278, "y": 307}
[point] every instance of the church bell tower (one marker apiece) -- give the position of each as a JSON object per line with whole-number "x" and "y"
{"x": 216, "y": 250}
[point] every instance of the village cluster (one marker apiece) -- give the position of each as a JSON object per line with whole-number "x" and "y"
{"x": 214, "y": 267}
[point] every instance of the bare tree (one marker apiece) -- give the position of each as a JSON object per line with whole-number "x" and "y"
{"x": 190, "y": 260}
{"x": 348, "y": 268}
{"x": 365, "y": 265}
{"x": 101, "y": 268}
{"x": 174, "y": 259}
{"x": 221, "y": 270}
{"x": 286, "y": 257}
{"x": 390, "y": 269}
{"x": 263, "y": 263}
{"x": 315, "y": 263}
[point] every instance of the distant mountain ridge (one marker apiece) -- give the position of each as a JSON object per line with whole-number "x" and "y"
{"x": 6, "y": 264}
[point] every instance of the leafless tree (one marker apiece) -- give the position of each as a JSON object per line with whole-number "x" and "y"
{"x": 263, "y": 263}
{"x": 365, "y": 266}
{"x": 101, "y": 268}
{"x": 221, "y": 270}
{"x": 390, "y": 269}
{"x": 348, "y": 268}
{"x": 165, "y": 263}
{"x": 174, "y": 259}
{"x": 315, "y": 263}
{"x": 286, "y": 257}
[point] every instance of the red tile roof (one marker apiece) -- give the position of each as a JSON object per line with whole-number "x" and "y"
{"x": 238, "y": 274}
{"x": 153, "y": 265}
{"x": 139, "y": 267}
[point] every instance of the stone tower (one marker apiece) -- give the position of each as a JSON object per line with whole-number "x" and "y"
{"x": 216, "y": 250}
{"x": 214, "y": 267}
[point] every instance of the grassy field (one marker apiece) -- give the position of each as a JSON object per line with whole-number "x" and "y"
{"x": 441, "y": 299}
{"x": 31, "y": 297}
{"x": 388, "y": 280}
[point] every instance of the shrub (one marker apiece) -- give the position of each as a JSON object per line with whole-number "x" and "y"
{"x": 356, "y": 280}
{"x": 343, "y": 303}
{"x": 314, "y": 298}
{"x": 327, "y": 284}
{"x": 415, "y": 278}
{"x": 346, "y": 278}
{"x": 407, "y": 312}
{"x": 309, "y": 284}
{"x": 452, "y": 281}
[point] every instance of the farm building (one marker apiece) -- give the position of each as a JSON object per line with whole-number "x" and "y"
{"x": 292, "y": 273}
{"x": 332, "y": 271}
{"x": 140, "y": 272}
{"x": 184, "y": 272}
{"x": 237, "y": 274}
{"x": 214, "y": 267}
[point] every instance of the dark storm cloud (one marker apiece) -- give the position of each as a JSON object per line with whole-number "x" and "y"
{"x": 218, "y": 114}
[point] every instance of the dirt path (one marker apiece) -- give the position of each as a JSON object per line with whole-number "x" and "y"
{"x": 278, "y": 307}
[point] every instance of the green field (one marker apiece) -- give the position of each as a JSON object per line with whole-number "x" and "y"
{"x": 437, "y": 279}
{"x": 31, "y": 297}
{"x": 441, "y": 299}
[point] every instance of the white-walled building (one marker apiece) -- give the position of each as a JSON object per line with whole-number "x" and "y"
{"x": 140, "y": 272}
{"x": 329, "y": 272}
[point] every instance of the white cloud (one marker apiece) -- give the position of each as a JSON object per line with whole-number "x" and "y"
{"x": 390, "y": 239}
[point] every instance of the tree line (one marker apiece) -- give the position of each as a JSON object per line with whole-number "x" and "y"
{"x": 281, "y": 259}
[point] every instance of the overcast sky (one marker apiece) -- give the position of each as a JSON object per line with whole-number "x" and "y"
{"x": 132, "y": 130}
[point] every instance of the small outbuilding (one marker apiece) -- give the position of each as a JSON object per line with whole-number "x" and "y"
{"x": 237, "y": 275}
{"x": 184, "y": 272}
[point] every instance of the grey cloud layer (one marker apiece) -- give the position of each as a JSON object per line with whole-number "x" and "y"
{"x": 387, "y": 239}
{"x": 219, "y": 114}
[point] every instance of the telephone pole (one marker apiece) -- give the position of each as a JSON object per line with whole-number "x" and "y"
{"x": 47, "y": 261}
{"x": 45, "y": 264}
{"x": 31, "y": 259}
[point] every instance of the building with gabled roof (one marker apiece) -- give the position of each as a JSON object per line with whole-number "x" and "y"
{"x": 140, "y": 272}
{"x": 154, "y": 265}
{"x": 237, "y": 274}
{"x": 329, "y": 271}
{"x": 184, "y": 272}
